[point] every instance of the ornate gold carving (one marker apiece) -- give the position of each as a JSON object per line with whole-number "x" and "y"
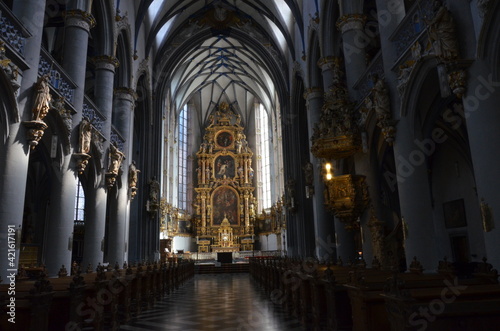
{"x": 337, "y": 147}
{"x": 336, "y": 136}
{"x": 225, "y": 182}
{"x": 35, "y": 132}
{"x": 347, "y": 197}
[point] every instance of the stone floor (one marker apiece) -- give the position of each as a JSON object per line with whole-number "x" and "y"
{"x": 219, "y": 302}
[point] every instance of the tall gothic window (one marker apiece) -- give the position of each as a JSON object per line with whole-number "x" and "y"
{"x": 79, "y": 203}
{"x": 182, "y": 167}
{"x": 263, "y": 157}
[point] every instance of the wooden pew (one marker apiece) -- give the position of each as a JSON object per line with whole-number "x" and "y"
{"x": 100, "y": 301}
{"x": 449, "y": 307}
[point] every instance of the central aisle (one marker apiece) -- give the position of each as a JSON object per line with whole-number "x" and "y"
{"x": 222, "y": 302}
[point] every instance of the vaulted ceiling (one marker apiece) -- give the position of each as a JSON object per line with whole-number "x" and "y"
{"x": 208, "y": 51}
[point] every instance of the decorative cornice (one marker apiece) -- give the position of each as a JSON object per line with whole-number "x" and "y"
{"x": 79, "y": 18}
{"x": 351, "y": 22}
{"x": 106, "y": 62}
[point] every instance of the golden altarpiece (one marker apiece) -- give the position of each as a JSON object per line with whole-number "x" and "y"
{"x": 225, "y": 205}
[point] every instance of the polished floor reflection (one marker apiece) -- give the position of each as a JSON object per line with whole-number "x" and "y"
{"x": 220, "y": 302}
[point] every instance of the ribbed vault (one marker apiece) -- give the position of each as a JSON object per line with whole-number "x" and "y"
{"x": 207, "y": 52}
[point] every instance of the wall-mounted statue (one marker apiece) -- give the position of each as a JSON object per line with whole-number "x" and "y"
{"x": 442, "y": 33}
{"x": 154, "y": 191}
{"x": 85, "y": 135}
{"x": 133, "y": 175}
{"x": 116, "y": 157}
{"x": 41, "y": 105}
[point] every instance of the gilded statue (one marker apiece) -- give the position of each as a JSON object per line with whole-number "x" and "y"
{"x": 85, "y": 135}
{"x": 442, "y": 33}
{"x": 154, "y": 191}
{"x": 116, "y": 158}
{"x": 42, "y": 100}
{"x": 133, "y": 175}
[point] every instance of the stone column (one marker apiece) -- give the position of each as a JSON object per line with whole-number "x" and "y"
{"x": 415, "y": 198}
{"x": 344, "y": 240}
{"x": 119, "y": 220}
{"x": 97, "y": 201}
{"x": 59, "y": 236}
{"x": 481, "y": 112}
{"x": 77, "y": 27}
{"x": 14, "y": 154}
{"x": 362, "y": 162}
{"x": 323, "y": 221}
{"x": 354, "y": 42}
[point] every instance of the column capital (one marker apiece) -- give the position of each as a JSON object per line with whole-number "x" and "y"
{"x": 329, "y": 63}
{"x": 351, "y": 22}
{"x": 313, "y": 93}
{"x": 79, "y": 18}
{"x": 125, "y": 93}
{"x": 106, "y": 62}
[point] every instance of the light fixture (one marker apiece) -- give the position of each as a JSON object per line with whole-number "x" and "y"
{"x": 328, "y": 171}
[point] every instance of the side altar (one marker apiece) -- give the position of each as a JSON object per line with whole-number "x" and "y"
{"x": 224, "y": 205}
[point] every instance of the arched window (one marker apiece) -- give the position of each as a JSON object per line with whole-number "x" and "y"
{"x": 263, "y": 157}
{"x": 79, "y": 203}
{"x": 182, "y": 165}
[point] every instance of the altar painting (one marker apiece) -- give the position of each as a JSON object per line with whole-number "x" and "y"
{"x": 224, "y": 166}
{"x": 225, "y": 205}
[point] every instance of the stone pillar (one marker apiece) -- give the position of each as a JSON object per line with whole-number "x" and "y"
{"x": 354, "y": 42}
{"x": 344, "y": 240}
{"x": 327, "y": 65}
{"x": 61, "y": 223}
{"x": 323, "y": 221}
{"x": 77, "y": 27}
{"x": 14, "y": 154}
{"x": 93, "y": 247}
{"x": 362, "y": 162}
{"x": 481, "y": 112}
{"x": 97, "y": 201}
{"x": 119, "y": 218}
{"x": 415, "y": 198}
